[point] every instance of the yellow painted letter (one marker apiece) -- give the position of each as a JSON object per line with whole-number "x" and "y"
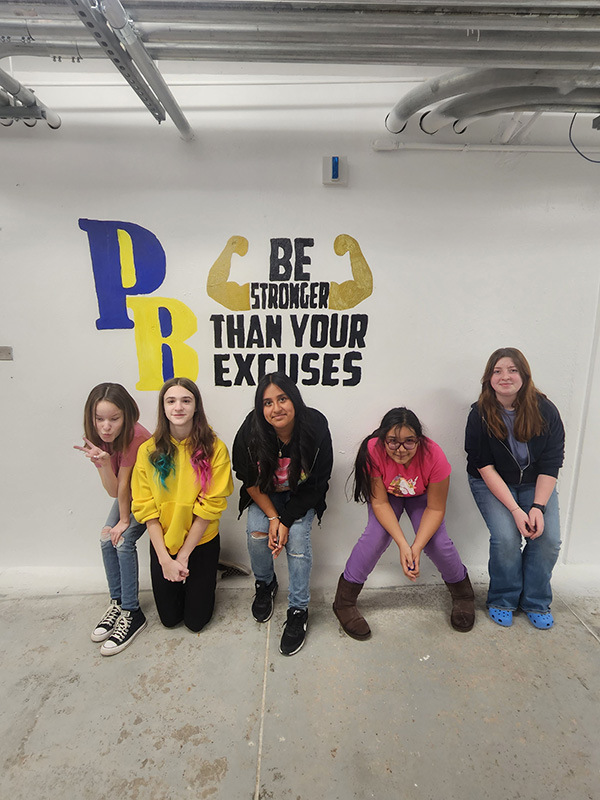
{"x": 162, "y": 324}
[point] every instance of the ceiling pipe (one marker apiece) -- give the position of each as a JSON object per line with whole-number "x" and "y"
{"x": 459, "y": 82}
{"x": 5, "y": 100}
{"x": 461, "y": 111}
{"x": 27, "y": 99}
{"x": 402, "y": 52}
{"x": 120, "y": 22}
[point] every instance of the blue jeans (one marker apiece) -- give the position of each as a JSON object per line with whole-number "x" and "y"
{"x": 121, "y": 562}
{"x": 298, "y": 550}
{"x": 519, "y": 578}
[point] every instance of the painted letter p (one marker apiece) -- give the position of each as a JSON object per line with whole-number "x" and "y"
{"x": 127, "y": 260}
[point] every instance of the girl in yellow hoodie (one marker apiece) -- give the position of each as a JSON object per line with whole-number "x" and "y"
{"x": 180, "y": 484}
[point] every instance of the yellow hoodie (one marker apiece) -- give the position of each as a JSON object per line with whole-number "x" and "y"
{"x": 176, "y": 505}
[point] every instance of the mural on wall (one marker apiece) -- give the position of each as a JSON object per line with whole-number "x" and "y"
{"x": 305, "y": 341}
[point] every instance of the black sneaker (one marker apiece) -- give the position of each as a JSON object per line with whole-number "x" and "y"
{"x": 262, "y": 606}
{"x": 294, "y": 631}
{"x": 107, "y": 624}
{"x": 127, "y": 628}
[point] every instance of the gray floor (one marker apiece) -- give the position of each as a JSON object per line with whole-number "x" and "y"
{"x": 419, "y": 711}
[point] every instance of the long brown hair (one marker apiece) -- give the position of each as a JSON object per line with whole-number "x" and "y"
{"x": 119, "y": 396}
{"x": 199, "y": 444}
{"x": 528, "y": 418}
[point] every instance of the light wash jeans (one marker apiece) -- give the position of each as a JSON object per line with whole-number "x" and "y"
{"x": 121, "y": 562}
{"x": 519, "y": 578}
{"x": 298, "y": 550}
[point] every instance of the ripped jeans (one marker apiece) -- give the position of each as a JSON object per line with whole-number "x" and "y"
{"x": 298, "y": 550}
{"x": 121, "y": 562}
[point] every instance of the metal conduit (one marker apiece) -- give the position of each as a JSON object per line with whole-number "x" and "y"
{"x": 27, "y": 99}
{"x": 461, "y": 82}
{"x": 472, "y": 106}
{"x": 504, "y": 44}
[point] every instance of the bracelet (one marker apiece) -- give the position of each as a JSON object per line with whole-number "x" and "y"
{"x": 516, "y": 508}
{"x": 541, "y": 507}
{"x": 272, "y": 518}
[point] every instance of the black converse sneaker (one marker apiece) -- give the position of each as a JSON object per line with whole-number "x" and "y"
{"x": 262, "y": 607}
{"x": 294, "y": 631}
{"x": 107, "y": 624}
{"x": 127, "y": 628}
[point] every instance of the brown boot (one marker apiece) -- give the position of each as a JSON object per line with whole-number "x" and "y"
{"x": 344, "y": 607}
{"x": 463, "y": 605}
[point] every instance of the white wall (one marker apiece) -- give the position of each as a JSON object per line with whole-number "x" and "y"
{"x": 469, "y": 252}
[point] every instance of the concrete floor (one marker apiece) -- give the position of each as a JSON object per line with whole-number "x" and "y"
{"x": 419, "y": 711}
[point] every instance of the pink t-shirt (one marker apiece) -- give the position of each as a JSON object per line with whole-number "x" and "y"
{"x": 127, "y": 459}
{"x": 429, "y": 465}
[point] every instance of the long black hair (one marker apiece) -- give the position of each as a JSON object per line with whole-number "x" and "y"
{"x": 395, "y": 418}
{"x": 264, "y": 444}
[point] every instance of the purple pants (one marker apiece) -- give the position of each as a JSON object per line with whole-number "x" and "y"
{"x": 376, "y": 540}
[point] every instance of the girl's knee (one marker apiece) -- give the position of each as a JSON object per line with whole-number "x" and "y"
{"x": 170, "y": 621}
{"x": 196, "y": 626}
{"x": 105, "y": 541}
{"x": 258, "y": 535}
{"x": 196, "y": 621}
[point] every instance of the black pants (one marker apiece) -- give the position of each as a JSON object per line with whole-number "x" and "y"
{"x": 192, "y": 601}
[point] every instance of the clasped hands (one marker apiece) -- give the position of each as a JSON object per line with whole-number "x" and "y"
{"x": 410, "y": 561}
{"x": 278, "y": 536}
{"x": 531, "y": 525}
{"x": 176, "y": 569}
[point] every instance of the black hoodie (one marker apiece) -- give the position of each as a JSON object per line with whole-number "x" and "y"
{"x": 546, "y": 452}
{"x": 311, "y": 492}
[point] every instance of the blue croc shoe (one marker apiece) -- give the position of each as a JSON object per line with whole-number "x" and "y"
{"x": 501, "y": 616}
{"x": 540, "y": 621}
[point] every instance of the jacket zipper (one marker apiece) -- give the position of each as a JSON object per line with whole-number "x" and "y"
{"x": 310, "y": 473}
{"x": 521, "y": 469}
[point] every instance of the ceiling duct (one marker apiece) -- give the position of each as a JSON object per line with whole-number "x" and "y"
{"x": 492, "y": 46}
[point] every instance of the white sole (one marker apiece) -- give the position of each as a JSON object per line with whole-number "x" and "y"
{"x": 114, "y": 650}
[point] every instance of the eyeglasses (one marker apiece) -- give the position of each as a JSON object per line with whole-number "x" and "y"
{"x": 407, "y": 444}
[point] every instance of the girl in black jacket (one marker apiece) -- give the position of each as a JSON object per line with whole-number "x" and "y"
{"x": 515, "y": 447}
{"x": 283, "y": 455}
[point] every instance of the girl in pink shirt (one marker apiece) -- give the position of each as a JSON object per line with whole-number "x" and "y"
{"x": 399, "y": 469}
{"x": 112, "y": 438}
